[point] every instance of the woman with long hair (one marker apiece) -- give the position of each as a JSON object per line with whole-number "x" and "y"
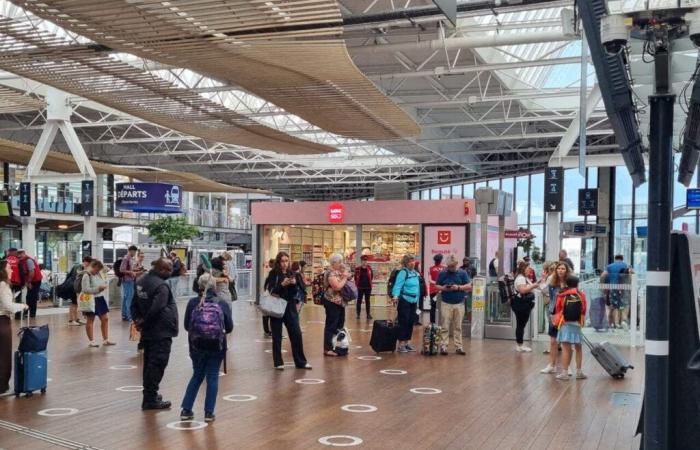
{"x": 7, "y": 309}
{"x": 523, "y": 302}
{"x": 282, "y": 282}
{"x": 405, "y": 295}
{"x": 556, "y": 283}
{"x": 94, "y": 283}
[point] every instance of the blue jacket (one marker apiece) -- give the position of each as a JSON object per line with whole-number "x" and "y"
{"x": 407, "y": 286}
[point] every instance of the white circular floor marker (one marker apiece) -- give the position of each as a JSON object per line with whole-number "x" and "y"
{"x": 55, "y": 412}
{"x": 369, "y": 358}
{"x": 359, "y": 408}
{"x": 270, "y": 351}
{"x": 117, "y": 351}
{"x": 129, "y": 388}
{"x": 240, "y": 398}
{"x": 123, "y": 367}
{"x": 345, "y": 440}
{"x": 309, "y": 381}
{"x": 393, "y": 372}
{"x": 195, "y": 425}
{"x": 263, "y": 341}
{"x": 426, "y": 391}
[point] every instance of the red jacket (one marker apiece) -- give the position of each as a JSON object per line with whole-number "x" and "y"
{"x": 559, "y": 309}
{"x": 357, "y": 276}
{"x": 13, "y": 261}
{"x": 434, "y": 272}
{"x": 37, "y": 271}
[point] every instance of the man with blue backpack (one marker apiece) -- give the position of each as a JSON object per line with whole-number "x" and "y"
{"x": 208, "y": 320}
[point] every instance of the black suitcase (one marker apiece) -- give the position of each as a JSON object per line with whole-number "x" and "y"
{"x": 383, "y": 337}
{"x": 609, "y": 357}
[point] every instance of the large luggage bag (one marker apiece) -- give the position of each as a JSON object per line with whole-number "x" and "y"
{"x": 383, "y": 337}
{"x": 609, "y": 357}
{"x": 30, "y": 372}
{"x": 597, "y": 314}
{"x": 431, "y": 340}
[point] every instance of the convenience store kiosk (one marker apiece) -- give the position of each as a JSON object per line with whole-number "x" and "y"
{"x": 381, "y": 230}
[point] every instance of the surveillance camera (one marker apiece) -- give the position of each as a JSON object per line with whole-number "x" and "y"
{"x": 693, "y": 19}
{"x": 614, "y": 33}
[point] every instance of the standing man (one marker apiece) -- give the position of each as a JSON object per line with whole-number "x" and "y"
{"x": 452, "y": 282}
{"x": 434, "y": 272}
{"x": 363, "y": 281}
{"x": 155, "y": 315}
{"x": 493, "y": 265}
{"x": 15, "y": 281}
{"x": 467, "y": 267}
{"x": 613, "y": 275}
{"x": 30, "y": 275}
{"x": 175, "y": 276}
{"x": 128, "y": 272}
{"x": 563, "y": 257}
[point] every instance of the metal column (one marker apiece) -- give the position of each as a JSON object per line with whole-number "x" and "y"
{"x": 658, "y": 276}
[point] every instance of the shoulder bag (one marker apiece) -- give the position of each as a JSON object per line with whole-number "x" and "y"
{"x": 271, "y": 305}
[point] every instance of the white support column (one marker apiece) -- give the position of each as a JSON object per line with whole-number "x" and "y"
{"x": 553, "y": 238}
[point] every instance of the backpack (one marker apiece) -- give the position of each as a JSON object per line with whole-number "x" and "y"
{"x": 506, "y": 288}
{"x": 207, "y": 326}
{"x": 78, "y": 283}
{"x": 117, "y": 268}
{"x": 182, "y": 269}
{"x": 573, "y": 307}
{"x": 392, "y": 281}
{"x": 318, "y": 288}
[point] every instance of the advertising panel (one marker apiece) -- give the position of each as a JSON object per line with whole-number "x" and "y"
{"x": 149, "y": 197}
{"x": 447, "y": 240}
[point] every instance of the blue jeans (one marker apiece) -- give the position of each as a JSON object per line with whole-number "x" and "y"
{"x": 205, "y": 364}
{"x": 127, "y": 296}
{"x": 172, "y": 282}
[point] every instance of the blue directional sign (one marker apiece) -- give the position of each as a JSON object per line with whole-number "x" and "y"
{"x": 25, "y": 199}
{"x": 692, "y": 198}
{"x": 149, "y": 197}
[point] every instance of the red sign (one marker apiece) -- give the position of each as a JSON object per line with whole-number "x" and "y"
{"x": 444, "y": 237}
{"x": 336, "y": 213}
{"x": 466, "y": 208}
{"x": 518, "y": 234}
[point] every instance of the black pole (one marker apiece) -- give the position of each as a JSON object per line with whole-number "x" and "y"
{"x": 656, "y": 408}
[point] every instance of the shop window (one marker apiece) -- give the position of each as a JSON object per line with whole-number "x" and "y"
{"x": 457, "y": 191}
{"x": 537, "y": 198}
{"x": 414, "y": 195}
{"x": 435, "y": 194}
{"x": 573, "y": 181}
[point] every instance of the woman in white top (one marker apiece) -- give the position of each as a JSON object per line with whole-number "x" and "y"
{"x": 523, "y": 302}
{"x": 94, "y": 283}
{"x": 7, "y": 309}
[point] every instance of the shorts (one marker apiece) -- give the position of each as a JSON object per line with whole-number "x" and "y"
{"x": 570, "y": 333}
{"x": 553, "y": 331}
{"x": 74, "y": 300}
{"x": 100, "y": 307}
{"x": 616, "y": 300}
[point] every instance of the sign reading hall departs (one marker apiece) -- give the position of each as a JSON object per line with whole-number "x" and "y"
{"x": 149, "y": 197}
{"x": 336, "y": 213}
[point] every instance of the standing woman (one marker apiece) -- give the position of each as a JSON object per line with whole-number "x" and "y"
{"x": 283, "y": 283}
{"x": 7, "y": 308}
{"x": 523, "y": 302}
{"x": 334, "y": 281}
{"x": 556, "y": 284}
{"x": 301, "y": 283}
{"x": 221, "y": 276}
{"x": 405, "y": 295}
{"x": 94, "y": 283}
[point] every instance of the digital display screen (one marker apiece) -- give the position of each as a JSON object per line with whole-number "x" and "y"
{"x": 692, "y": 198}
{"x": 5, "y": 210}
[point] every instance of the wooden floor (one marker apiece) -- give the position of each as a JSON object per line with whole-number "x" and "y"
{"x": 493, "y": 398}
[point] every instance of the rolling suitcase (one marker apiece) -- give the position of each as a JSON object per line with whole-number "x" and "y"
{"x": 383, "y": 337}
{"x": 431, "y": 340}
{"x": 609, "y": 357}
{"x": 597, "y": 314}
{"x": 30, "y": 372}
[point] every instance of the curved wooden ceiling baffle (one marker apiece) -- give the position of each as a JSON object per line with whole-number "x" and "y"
{"x": 285, "y": 51}
{"x": 81, "y": 70}
{"x": 12, "y": 101}
{"x": 17, "y": 153}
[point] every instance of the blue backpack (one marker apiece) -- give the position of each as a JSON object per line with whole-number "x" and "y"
{"x": 207, "y": 326}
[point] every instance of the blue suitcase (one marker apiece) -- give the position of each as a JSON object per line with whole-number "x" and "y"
{"x": 30, "y": 372}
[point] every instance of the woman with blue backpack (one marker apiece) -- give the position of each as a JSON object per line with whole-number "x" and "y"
{"x": 207, "y": 320}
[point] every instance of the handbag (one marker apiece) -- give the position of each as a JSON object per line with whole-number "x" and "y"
{"x": 271, "y": 305}
{"x": 86, "y": 302}
{"x": 33, "y": 339}
{"x": 349, "y": 291}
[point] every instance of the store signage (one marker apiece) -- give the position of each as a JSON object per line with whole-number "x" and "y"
{"x": 522, "y": 233}
{"x": 444, "y": 237}
{"x": 87, "y": 197}
{"x": 588, "y": 202}
{"x": 25, "y": 199}
{"x": 86, "y": 247}
{"x": 336, "y": 213}
{"x": 692, "y": 198}
{"x": 467, "y": 210}
{"x": 553, "y": 189}
{"x": 149, "y": 197}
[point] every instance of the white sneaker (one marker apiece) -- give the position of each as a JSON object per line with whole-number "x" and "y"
{"x": 279, "y": 367}
{"x": 519, "y": 349}
{"x": 625, "y": 326}
{"x": 563, "y": 377}
{"x": 108, "y": 342}
{"x": 73, "y": 323}
{"x": 526, "y": 349}
{"x": 549, "y": 369}
{"x": 571, "y": 372}
{"x": 93, "y": 344}
{"x": 580, "y": 375}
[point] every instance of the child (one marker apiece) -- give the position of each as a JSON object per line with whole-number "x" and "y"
{"x": 570, "y": 315}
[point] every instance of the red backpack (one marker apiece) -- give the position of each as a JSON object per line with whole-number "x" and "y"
{"x": 37, "y": 271}
{"x": 13, "y": 261}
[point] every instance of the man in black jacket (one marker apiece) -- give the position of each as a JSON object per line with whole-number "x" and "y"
{"x": 155, "y": 313}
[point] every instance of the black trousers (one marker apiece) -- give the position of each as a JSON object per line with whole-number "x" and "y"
{"x": 291, "y": 321}
{"x": 5, "y": 353}
{"x": 521, "y": 309}
{"x": 365, "y": 293}
{"x": 33, "y": 298}
{"x": 335, "y": 320}
{"x": 156, "y": 354}
{"x": 266, "y": 324}
{"x": 406, "y": 317}
{"x": 433, "y": 308}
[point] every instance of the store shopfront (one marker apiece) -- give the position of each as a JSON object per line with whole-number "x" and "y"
{"x": 382, "y": 231}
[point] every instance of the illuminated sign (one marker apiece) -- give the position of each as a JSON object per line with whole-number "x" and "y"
{"x": 336, "y": 213}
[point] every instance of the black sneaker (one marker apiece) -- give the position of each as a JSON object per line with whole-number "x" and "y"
{"x": 443, "y": 351}
{"x": 186, "y": 414}
{"x": 369, "y": 316}
{"x": 209, "y": 417}
{"x": 460, "y": 352}
{"x": 158, "y": 405}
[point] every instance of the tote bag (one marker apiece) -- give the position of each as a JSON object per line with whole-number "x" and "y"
{"x": 271, "y": 305}
{"x": 86, "y": 302}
